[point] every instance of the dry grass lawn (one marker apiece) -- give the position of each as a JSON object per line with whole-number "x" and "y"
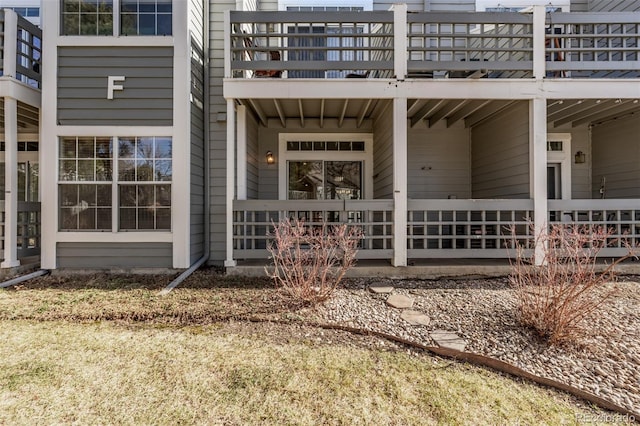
{"x": 109, "y": 350}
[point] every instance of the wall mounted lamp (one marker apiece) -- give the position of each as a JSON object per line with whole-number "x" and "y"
{"x": 270, "y": 158}
{"x": 580, "y": 157}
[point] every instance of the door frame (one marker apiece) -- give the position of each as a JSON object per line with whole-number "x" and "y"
{"x": 365, "y": 156}
{"x": 563, "y": 158}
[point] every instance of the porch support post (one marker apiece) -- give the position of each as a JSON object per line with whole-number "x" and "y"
{"x": 400, "y": 40}
{"x": 10, "y": 47}
{"x": 539, "y": 15}
{"x": 399, "y": 182}
{"x": 230, "y": 173}
{"x": 10, "y": 182}
{"x": 242, "y": 152}
{"x": 538, "y": 147}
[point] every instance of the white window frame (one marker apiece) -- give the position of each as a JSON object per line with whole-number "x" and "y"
{"x": 365, "y": 156}
{"x": 115, "y": 184}
{"x": 564, "y": 159}
{"x": 116, "y": 18}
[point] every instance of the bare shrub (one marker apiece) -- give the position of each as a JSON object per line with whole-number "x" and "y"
{"x": 309, "y": 261}
{"x": 557, "y": 298}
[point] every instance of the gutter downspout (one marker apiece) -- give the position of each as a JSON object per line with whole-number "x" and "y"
{"x": 206, "y": 108}
{"x": 18, "y": 280}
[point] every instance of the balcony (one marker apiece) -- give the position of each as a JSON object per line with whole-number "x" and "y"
{"x": 20, "y": 49}
{"x": 383, "y": 45}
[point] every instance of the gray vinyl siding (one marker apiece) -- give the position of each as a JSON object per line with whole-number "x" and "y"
{"x": 268, "y": 5}
{"x": 613, "y": 5}
{"x": 500, "y": 155}
{"x": 439, "y": 162}
{"x": 196, "y": 24}
{"x": 147, "y": 98}
{"x": 268, "y": 173}
{"x": 451, "y": 5}
{"x": 196, "y": 214}
{"x": 104, "y": 255}
{"x": 580, "y": 173}
{"x": 217, "y": 132}
{"x": 253, "y": 158}
{"x": 197, "y": 227}
{"x": 579, "y": 6}
{"x": 383, "y": 154}
{"x": 616, "y": 157}
{"x": 249, "y": 5}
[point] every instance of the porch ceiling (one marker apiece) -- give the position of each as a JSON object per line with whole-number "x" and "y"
{"x": 28, "y": 117}
{"x": 589, "y": 111}
{"x": 571, "y": 112}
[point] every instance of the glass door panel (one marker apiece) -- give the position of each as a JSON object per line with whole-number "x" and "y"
{"x": 305, "y": 180}
{"x": 28, "y": 180}
{"x": 343, "y": 180}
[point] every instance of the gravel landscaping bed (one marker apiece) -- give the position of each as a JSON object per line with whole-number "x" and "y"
{"x": 482, "y": 312}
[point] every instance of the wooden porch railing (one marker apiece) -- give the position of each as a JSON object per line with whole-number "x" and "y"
{"x": 468, "y": 228}
{"x": 621, "y": 217}
{"x": 29, "y": 222}
{"x": 253, "y": 223}
{"x": 311, "y": 44}
{"x": 594, "y": 45}
{"x": 481, "y": 44}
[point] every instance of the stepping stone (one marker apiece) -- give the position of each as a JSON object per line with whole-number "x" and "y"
{"x": 399, "y": 301}
{"x": 379, "y": 289}
{"x": 448, "y": 339}
{"x": 414, "y": 317}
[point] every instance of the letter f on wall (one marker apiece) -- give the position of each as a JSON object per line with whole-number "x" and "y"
{"x": 111, "y": 86}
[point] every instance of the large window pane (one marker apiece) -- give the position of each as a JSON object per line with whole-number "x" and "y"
{"x": 85, "y": 207}
{"x": 305, "y": 180}
{"x": 165, "y": 26}
{"x": 145, "y": 17}
{"x": 127, "y": 170}
{"x": 87, "y": 17}
{"x": 128, "y": 196}
{"x": 163, "y": 170}
{"x": 89, "y": 205}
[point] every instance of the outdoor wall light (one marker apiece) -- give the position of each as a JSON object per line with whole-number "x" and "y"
{"x": 270, "y": 158}
{"x": 580, "y": 157}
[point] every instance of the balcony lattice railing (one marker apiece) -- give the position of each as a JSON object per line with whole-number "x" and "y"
{"x": 461, "y": 45}
{"x": 27, "y": 39}
{"x": 620, "y": 217}
{"x": 311, "y": 45}
{"x": 468, "y": 228}
{"x": 253, "y": 223}
{"x": 432, "y": 45}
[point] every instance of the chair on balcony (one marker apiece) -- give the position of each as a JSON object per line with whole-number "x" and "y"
{"x": 359, "y": 75}
{"x": 274, "y": 55}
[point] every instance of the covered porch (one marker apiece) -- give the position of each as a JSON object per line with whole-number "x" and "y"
{"x": 482, "y": 130}
{"x": 469, "y": 179}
